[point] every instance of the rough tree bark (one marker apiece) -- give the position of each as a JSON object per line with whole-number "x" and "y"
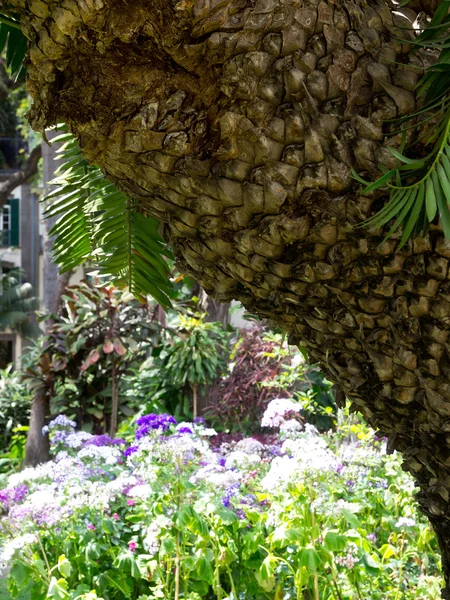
{"x": 38, "y": 448}
{"x": 236, "y": 122}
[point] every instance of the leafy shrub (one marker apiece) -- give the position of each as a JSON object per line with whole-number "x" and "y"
{"x": 310, "y": 516}
{"x": 15, "y": 404}
{"x": 86, "y": 349}
{"x": 192, "y": 353}
{"x": 263, "y": 367}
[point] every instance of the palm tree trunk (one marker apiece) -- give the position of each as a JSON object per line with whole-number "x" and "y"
{"x": 237, "y": 124}
{"x": 38, "y": 448}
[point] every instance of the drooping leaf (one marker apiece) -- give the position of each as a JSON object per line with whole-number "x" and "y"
{"x": 100, "y": 224}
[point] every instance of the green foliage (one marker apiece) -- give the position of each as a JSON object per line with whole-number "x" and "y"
{"x": 420, "y": 184}
{"x": 192, "y": 353}
{"x": 97, "y": 222}
{"x": 15, "y": 403}
{"x": 332, "y": 518}
{"x": 15, "y": 42}
{"x": 73, "y": 361}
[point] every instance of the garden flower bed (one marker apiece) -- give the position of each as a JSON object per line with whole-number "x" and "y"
{"x": 171, "y": 515}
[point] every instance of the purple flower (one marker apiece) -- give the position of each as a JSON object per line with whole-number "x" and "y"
{"x": 185, "y": 430}
{"x": 153, "y": 421}
{"x": 131, "y": 450}
{"x": 10, "y": 496}
{"x": 350, "y": 483}
{"x": 231, "y": 491}
{"x": 90, "y": 526}
{"x": 222, "y": 462}
{"x": 59, "y": 437}
{"x": 371, "y": 537}
{"x": 104, "y": 440}
{"x": 200, "y": 421}
{"x": 339, "y": 468}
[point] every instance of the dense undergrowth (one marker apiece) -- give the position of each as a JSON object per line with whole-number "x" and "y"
{"x": 163, "y": 513}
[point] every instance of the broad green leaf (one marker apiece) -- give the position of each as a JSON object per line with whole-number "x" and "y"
{"x": 64, "y": 566}
{"x": 309, "y": 558}
{"x": 204, "y": 570}
{"x": 334, "y": 541}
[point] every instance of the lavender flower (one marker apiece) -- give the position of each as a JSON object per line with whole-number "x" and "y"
{"x": 131, "y": 450}
{"x": 231, "y": 491}
{"x": 15, "y": 495}
{"x": 153, "y": 421}
{"x": 104, "y": 440}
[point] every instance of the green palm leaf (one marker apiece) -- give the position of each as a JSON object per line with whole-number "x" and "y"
{"x": 420, "y": 186}
{"x": 15, "y": 42}
{"x": 99, "y": 223}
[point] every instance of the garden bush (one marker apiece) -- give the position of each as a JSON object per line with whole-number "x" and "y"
{"x": 168, "y": 516}
{"x": 15, "y": 403}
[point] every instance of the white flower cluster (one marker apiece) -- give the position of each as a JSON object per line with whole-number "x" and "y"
{"x": 151, "y": 540}
{"x": 8, "y": 551}
{"x": 76, "y": 440}
{"x": 349, "y": 559}
{"x": 216, "y": 476}
{"x": 276, "y": 410}
{"x": 304, "y": 453}
{"x": 250, "y": 446}
{"x": 242, "y": 460}
{"x": 405, "y": 522}
{"x": 108, "y": 455}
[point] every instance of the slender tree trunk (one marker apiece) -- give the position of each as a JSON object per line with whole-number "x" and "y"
{"x": 38, "y": 446}
{"x": 237, "y": 124}
{"x": 215, "y": 311}
{"x": 115, "y": 386}
{"x": 195, "y": 409}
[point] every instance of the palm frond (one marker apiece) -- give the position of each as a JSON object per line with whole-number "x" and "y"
{"x": 15, "y": 42}
{"x": 420, "y": 187}
{"x": 99, "y": 223}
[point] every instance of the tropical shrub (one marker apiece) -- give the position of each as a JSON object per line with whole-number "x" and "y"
{"x": 263, "y": 367}
{"x": 15, "y": 403}
{"x": 310, "y": 516}
{"x": 86, "y": 350}
{"x": 192, "y": 354}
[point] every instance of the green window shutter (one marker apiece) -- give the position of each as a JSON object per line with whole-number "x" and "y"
{"x": 14, "y": 221}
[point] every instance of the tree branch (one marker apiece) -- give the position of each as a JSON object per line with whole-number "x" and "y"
{"x": 29, "y": 168}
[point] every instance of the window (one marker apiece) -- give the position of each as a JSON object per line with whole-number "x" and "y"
{"x": 5, "y": 224}
{"x": 9, "y": 223}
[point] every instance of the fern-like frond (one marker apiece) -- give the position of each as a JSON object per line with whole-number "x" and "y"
{"x": 99, "y": 223}
{"x": 420, "y": 187}
{"x": 68, "y": 201}
{"x": 15, "y": 42}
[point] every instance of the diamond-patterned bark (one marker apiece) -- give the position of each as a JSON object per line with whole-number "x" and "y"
{"x": 236, "y": 122}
